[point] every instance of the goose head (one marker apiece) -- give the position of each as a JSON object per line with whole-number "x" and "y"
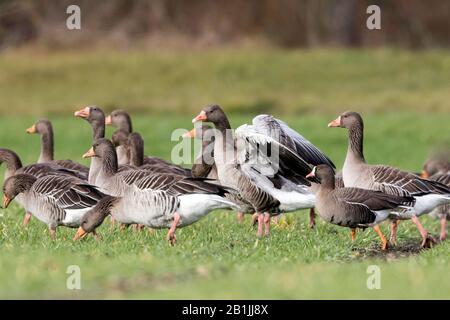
{"x": 95, "y": 217}
{"x": 322, "y": 173}
{"x": 433, "y": 166}
{"x": 92, "y": 114}
{"x": 42, "y": 126}
{"x": 16, "y": 185}
{"x": 211, "y": 113}
{"x": 100, "y": 148}
{"x": 349, "y": 120}
{"x": 119, "y": 119}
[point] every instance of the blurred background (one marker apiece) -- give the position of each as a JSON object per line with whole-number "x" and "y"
{"x": 255, "y": 56}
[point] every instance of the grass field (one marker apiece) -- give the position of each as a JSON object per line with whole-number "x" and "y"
{"x": 216, "y": 257}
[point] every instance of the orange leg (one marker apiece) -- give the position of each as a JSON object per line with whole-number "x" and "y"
{"x": 267, "y": 224}
{"x": 384, "y": 242}
{"x": 312, "y": 218}
{"x": 443, "y": 228}
{"x": 353, "y": 234}
{"x": 254, "y": 219}
{"x": 240, "y": 217}
{"x": 26, "y": 219}
{"x": 393, "y": 236}
{"x": 427, "y": 240}
{"x": 259, "y": 233}
{"x": 171, "y": 234}
{"x": 52, "y": 233}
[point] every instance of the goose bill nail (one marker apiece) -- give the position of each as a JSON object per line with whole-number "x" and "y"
{"x": 80, "y": 234}
{"x": 6, "y": 201}
{"x": 201, "y": 117}
{"x": 190, "y": 134}
{"x": 89, "y": 154}
{"x": 83, "y": 113}
{"x": 335, "y": 123}
{"x": 31, "y": 129}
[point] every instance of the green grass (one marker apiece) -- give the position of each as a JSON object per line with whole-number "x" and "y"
{"x": 254, "y": 80}
{"x": 403, "y": 96}
{"x": 216, "y": 257}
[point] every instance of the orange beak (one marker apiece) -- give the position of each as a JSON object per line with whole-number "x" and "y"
{"x": 310, "y": 175}
{"x": 31, "y": 129}
{"x": 108, "y": 120}
{"x": 424, "y": 174}
{"x": 189, "y": 134}
{"x": 6, "y": 202}
{"x": 89, "y": 154}
{"x": 201, "y": 117}
{"x": 335, "y": 123}
{"x": 83, "y": 113}
{"x": 80, "y": 234}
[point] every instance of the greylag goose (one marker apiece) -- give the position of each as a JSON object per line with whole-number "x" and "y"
{"x": 179, "y": 203}
{"x": 96, "y": 118}
{"x": 271, "y": 182}
{"x": 44, "y": 128}
{"x": 354, "y": 207}
{"x": 357, "y": 173}
{"x": 438, "y": 169}
{"x": 204, "y": 166}
{"x": 14, "y": 166}
{"x": 121, "y": 120}
{"x": 56, "y": 200}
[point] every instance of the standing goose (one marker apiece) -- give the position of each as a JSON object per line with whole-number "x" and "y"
{"x": 45, "y": 129}
{"x": 204, "y": 166}
{"x": 357, "y": 173}
{"x": 14, "y": 166}
{"x": 54, "y": 200}
{"x": 354, "y": 207}
{"x": 121, "y": 120}
{"x": 96, "y": 118}
{"x": 438, "y": 169}
{"x": 174, "y": 207}
{"x": 272, "y": 182}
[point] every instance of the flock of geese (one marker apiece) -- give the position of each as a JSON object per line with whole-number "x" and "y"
{"x": 264, "y": 169}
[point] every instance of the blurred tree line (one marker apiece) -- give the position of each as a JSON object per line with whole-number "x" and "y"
{"x": 286, "y": 23}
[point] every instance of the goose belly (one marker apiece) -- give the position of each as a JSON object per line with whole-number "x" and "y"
{"x": 74, "y": 217}
{"x": 154, "y": 215}
{"x": 193, "y": 207}
{"x": 292, "y": 200}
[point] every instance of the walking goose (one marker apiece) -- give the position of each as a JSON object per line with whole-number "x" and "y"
{"x": 272, "y": 181}
{"x": 96, "y": 118}
{"x": 357, "y": 173}
{"x": 173, "y": 207}
{"x": 354, "y": 207}
{"x": 14, "y": 166}
{"x": 55, "y": 200}
{"x": 45, "y": 129}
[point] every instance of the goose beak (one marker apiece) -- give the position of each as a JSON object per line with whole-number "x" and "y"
{"x": 189, "y": 134}
{"x": 424, "y": 174}
{"x": 201, "y": 117}
{"x": 108, "y": 120}
{"x": 31, "y": 129}
{"x": 310, "y": 175}
{"x": 80, "y": 234}
{"x": 83, "y": 113}
{"x": 335, "y": 123}
{"x": 6, "y": 202}
{"x": 89, "y": 154}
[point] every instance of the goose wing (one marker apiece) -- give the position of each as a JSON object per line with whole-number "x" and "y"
{"x": 67, "y": 192}
{"x": 394, "y": 181}
{"x": 279, "y": 130}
